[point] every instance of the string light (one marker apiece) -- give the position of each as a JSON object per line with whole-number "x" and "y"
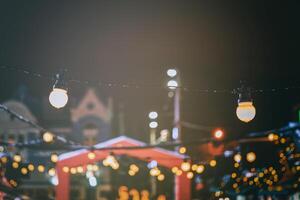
{"x": 91, "y": 155}
{"x": 154, "y": 171}
{"x": 73, "y": 170}
{"x": 200, "y": 169}
{"x": 251, "y": 157}
{"x": 48, "y": 137}
{"x": 134, "y": 168}
{"x": 17, "y": 158}
{"x": 51, "y": 172}
{"x": 190, "y": 175}
{"x": 66, "y": 169}
{"x": 245, "y": 110}
{"x": 80, "y": 169}
{"x": 58, "y": 98}
{"x": 174, "y": 169}
{"x": 30, "y": 167}
{"x": 41, "y": 168}
{"x": 131, "y": 173}
{"x": 54, "y": 158}
{"x": 182, "y": 150}
{"x": 213, "y": 163}
{"x": 218, "y": 134}
{"x": 15, "y": 165}
{"x": 24, "y": 170}
{"x": 161, "y": 177}
{"x": 185, "y": 166}
{"x": 194, "y": 167}
{"x": 237, "y": 158}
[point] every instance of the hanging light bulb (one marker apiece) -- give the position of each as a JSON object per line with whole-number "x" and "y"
{"x": 245, "y": 110}
{"x": 58, "y": 98}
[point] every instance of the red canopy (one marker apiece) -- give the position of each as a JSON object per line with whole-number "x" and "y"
{"x": 164, "y": 158}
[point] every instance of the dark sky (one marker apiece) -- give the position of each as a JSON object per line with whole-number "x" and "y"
{"x": 214, "y": 44}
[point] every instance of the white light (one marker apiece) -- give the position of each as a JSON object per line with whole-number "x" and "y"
{"x": 152, "y": 164}
{"x": 89, "y": 174}
{"x": 175, "y": 133}
{"x": 172, "y": 84}
{"x": 153, "y": 124}
{"x": 172, "y": 72}
{"x": 153, "y": 115}
{"x": 246, "y": 111}
{"x": 228, "y": 153}
{"x": 54, "y": 180}
{"x": 58, "y": 97}
{"x": 93, "y": 181}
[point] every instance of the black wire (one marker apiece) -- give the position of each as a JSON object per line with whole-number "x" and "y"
{"x": 138, "y": 86}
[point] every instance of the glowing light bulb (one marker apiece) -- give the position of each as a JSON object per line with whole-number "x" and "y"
{"x": 24, "y": 170}
{"x": 172, "y": 84}
{"x": 30, "y": 167}
{"x": 185, "y": 166}
{"x": 58, "y": 98}
{"x": 182, "y": 150}
{"x": 153, "y": 115}
{"x": 134, "y": 167}
{"x": 91, "y": 155}
{"x": 237, "y": 158}
{"x": 213, "y": 163}
{"x": 54, "y": 158}
{"x": 190, "y": 175}
{"x": 171, "y": 73}
{"x": 161, "y": 177}
{"x": 48, "y": 137}
{"x": 41, "y": 168}
{"x": 218, "y": 134}
{"x": 51, "y": 172}
{"x": 153, "y": 124}
{"x": 17, "y": 158}
{"x": 174, "y": 169}
{"x": 251, "y": 157}
{"x": 245, "y": 111}
{"x": 200, "y": 169}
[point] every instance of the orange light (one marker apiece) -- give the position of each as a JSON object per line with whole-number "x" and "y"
{"x": 218, "y": 134}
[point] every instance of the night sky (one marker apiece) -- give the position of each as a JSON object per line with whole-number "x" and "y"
{"x": 214, "y": 44}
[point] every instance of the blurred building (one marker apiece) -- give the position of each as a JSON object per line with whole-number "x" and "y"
{"x": 88, "y": 122}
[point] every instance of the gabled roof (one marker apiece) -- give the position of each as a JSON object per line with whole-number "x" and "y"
{"x": 97, "y": 108}
{"x": 164, "y": 157}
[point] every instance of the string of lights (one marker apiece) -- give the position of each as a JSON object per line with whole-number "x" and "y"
{"x": 47, "y": 136}
{"x": 139, "y": 86}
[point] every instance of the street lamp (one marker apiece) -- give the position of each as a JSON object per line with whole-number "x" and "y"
{"x": 153, "y": 115}
{"x": 173, "y": 84}
{"x": 171, "y": 72}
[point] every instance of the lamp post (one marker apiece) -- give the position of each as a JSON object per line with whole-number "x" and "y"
{"x": 153, "y": 115}
{"x": 153, "y": 125}
{"x": 174, "y": 85}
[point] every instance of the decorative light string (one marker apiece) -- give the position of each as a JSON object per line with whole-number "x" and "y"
{"x": 138, "y": 86}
